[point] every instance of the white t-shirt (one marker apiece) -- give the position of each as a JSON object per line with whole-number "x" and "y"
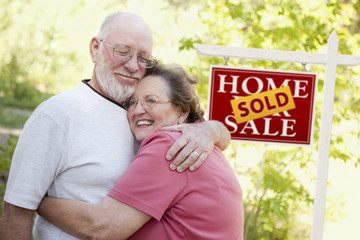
{"x": 74, "y": 146}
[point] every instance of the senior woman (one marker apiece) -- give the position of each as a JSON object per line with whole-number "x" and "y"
{"x": 150, "y": 201}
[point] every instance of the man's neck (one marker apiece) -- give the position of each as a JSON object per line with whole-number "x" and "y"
{"x": 92, "y": 84}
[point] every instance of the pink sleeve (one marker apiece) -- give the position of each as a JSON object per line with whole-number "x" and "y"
{"x": 148, "y": 184}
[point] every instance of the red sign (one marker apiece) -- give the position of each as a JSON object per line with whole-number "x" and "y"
{"x": 263, "y": 105}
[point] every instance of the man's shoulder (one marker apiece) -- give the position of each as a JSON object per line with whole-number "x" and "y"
{"x": 62, "y": 99}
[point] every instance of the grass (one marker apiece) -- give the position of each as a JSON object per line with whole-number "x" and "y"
{"x": 13, "y": 118}
{"x": 14, "y": 111}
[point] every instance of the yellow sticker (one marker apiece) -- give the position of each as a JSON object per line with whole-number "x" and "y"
{"x": 262, "y": 104}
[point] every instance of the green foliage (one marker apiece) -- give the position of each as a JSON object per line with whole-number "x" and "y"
{"x": 188, "y": 43}
{"x": 35, "y": 63}
{"x": 13, "y": 118}
{"x": 6, "y": 154}
{"x": 16, "y": 90}
{"x": 42, "y": 45}
{"x": 293, "y": 25}
{"x": 277, "y": 197}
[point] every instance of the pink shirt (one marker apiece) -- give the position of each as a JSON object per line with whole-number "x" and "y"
{"x": 204, "y": 204}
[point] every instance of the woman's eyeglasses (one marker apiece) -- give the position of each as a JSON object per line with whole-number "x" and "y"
{"x": 147, "y": 103}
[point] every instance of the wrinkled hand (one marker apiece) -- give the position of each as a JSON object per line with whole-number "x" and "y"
{"x": 195, "y": 144}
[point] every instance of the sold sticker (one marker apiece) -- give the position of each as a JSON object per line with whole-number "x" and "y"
{"x": 262, "y": 104}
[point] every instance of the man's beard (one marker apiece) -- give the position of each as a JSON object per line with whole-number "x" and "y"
{"x": 108, "y": 83}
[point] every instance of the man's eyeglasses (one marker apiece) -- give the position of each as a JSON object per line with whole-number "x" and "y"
{"x": 147, "y": 103}
{"x": 124, "y": 54}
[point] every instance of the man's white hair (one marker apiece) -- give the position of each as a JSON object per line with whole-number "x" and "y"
{"x": 105, "y": 26}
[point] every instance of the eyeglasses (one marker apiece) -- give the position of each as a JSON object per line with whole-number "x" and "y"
{"x": 147, "y": 103}
{"x": 124, "y": 54}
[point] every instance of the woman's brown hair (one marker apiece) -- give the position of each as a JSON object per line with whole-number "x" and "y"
{"x": 181, "y": 89}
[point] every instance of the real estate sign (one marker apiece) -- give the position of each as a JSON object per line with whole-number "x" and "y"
{"x": 260, "y": 105}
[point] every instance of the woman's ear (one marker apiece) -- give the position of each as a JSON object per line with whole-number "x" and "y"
{"x": 183, "y": 115}
{"x": 94, "y": 49}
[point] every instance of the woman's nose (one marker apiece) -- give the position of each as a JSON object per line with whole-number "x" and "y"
{"x": 139, "y": 108}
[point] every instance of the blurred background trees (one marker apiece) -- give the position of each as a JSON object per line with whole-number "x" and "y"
{"x": 279, "y": 194}
{"x": 45, "y": 51}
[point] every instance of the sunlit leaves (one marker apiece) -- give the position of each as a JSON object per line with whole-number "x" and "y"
{"x": 276, "y": 195}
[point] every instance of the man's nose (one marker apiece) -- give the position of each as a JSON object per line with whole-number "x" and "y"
{"x": 132, "y": 64}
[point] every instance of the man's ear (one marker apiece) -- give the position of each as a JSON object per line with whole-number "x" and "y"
{"x": 183, "y": 115}
{"x": 94, "y": 48}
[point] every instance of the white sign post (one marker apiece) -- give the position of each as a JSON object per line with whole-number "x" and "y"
{"x": 331, "y": 59}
